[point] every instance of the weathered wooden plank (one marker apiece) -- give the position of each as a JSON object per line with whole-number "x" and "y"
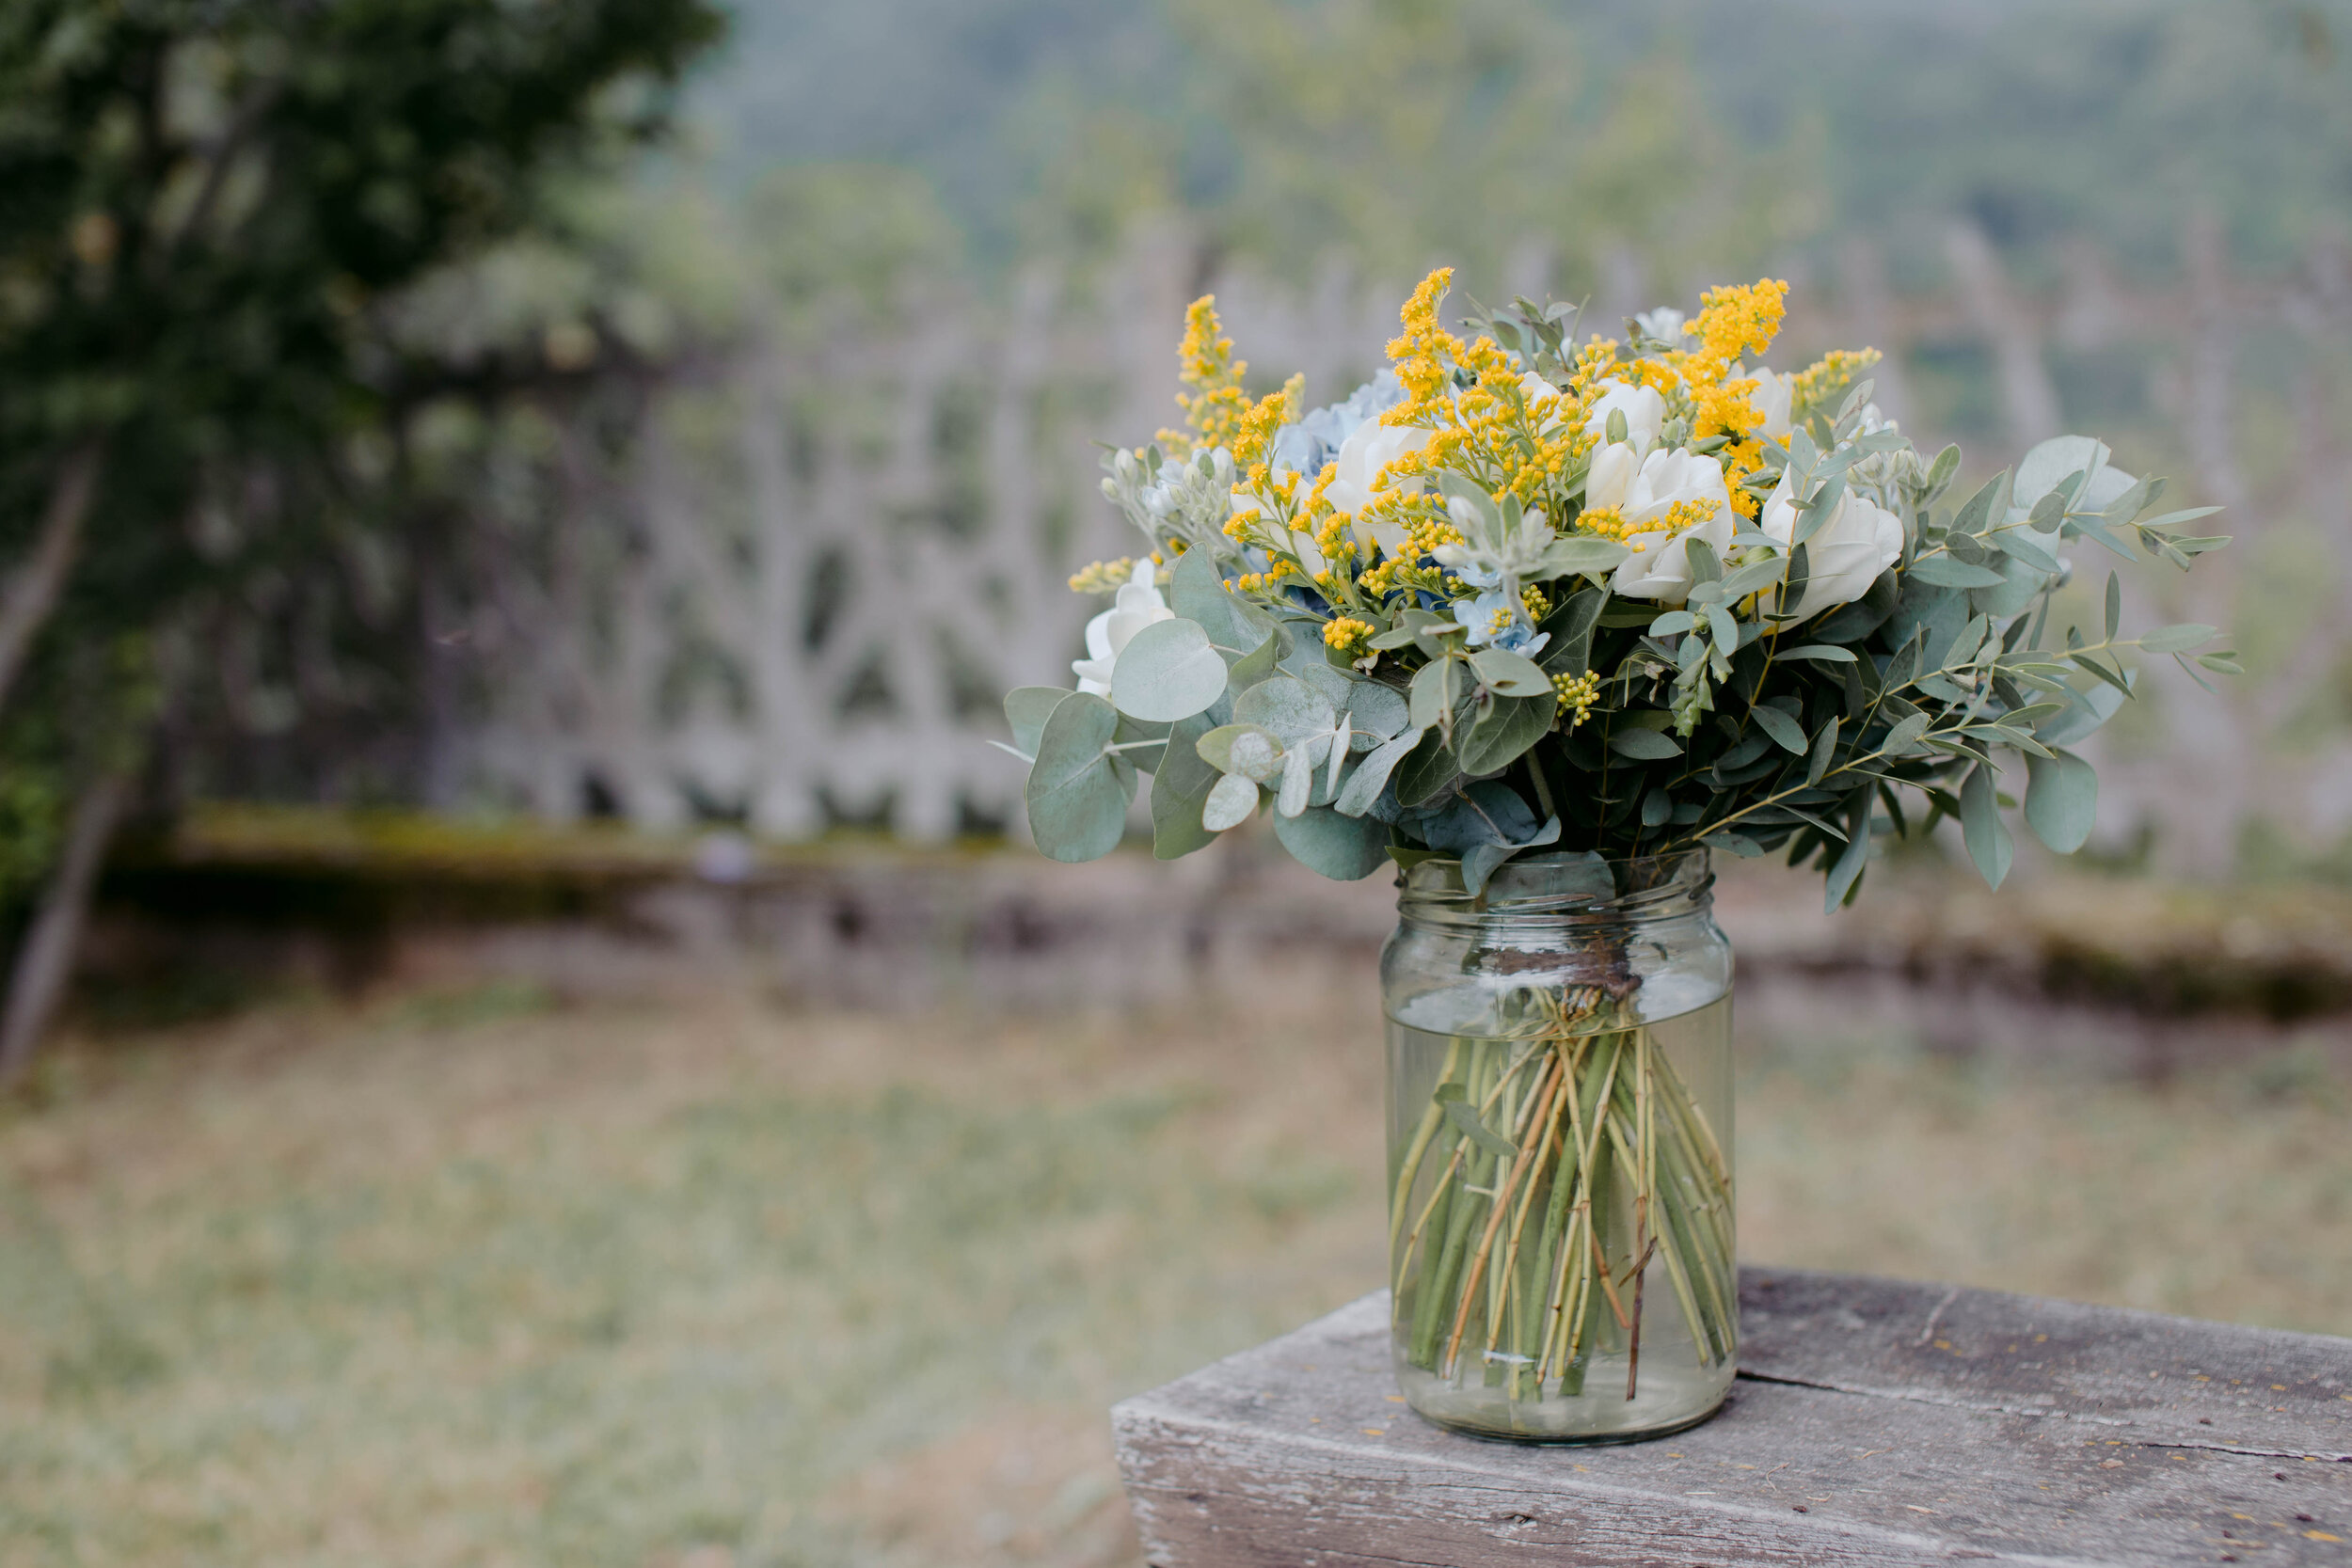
{"x": 1851, "y": 1442}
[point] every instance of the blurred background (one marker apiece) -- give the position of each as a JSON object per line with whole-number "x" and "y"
{"x": 531, "y": 1033}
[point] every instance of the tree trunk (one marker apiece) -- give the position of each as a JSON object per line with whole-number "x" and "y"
{"x": 44, "y": 963}
{"x": 32, "y": 589}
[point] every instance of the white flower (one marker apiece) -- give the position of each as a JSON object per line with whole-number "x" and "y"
{"x": 1535, "y": 389}
{"x": 1645, "y": 413}
{"x": 1659, "y": 568}
{"x": 1137, "y": 606}
{"x": 1369, "y": 448}
{"x": 1664, "y": 324}
{"x": 1844, "y": 556}
{"x": 1774, "y": 395}
{"x": 1612, "y": 474}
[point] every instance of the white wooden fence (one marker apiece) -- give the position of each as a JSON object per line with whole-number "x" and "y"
{"x": 793, "y": 583}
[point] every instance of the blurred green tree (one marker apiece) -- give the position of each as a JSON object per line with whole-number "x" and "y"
{"x": 206, "y": 209}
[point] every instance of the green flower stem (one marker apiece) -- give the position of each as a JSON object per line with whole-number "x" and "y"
{"x": 1536, "y": 1258}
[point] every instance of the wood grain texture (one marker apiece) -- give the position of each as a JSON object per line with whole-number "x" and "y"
{"x": 1874, "y": 1422}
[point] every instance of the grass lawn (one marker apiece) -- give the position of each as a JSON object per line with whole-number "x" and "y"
{"x": 469, "y": 1279}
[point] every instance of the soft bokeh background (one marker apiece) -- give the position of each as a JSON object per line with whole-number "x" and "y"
{"x": 568, "y": 1060}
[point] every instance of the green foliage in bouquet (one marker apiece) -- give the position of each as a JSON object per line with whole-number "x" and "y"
{"x": 1625, "y": 597}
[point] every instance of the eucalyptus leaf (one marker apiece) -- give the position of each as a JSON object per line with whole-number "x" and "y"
{"x": 1180, "y": 791}
{"x": 1229, "y": 803}
{"x": 1026, "y": 708}
{"x": 1077, "y": 801}
{"x": 1464, "y": 1119}
{"x": 1298, "y": 783}
{"x": 1371, "y": 777}
{"x": 1576, "y": 555}
{"x": 1197, "y": 594}
{"x": 1854, "y": 858}
{"x": 1981, "y": 828}
{"x": 1252, "y": 751}
{"x": 1344, "y": 848}
{"x": 1427, "y": 772}
{"x": 1510, "y": 674}
{"x": 2061, "y": 799}
{"x": 1643, "y": 744}
{"x": 1784, "y": 730}
{"x": 1429, "y": 695}
{"x": 1942, "y": 571}
{"x": 1505, "y": 731}
{"x": 1288, "y": 707}
{"x": 1168, "y": 672}
{"x": 2176, "y": 639}
{"x": 2085, "y": 712}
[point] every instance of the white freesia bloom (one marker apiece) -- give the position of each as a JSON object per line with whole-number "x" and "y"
{"x": 1645, "y": 413}
{"x": 1137, "y": 605}
{"x": 1611, "y": 476}
{"x": 1664, "y": 324}
{"x": 1844, "y": 556}
{"x": 1659, "y": 568}
{"x": 1535, "y": 389}
{"x": 1369, "y": 448}
{"x": 1774, "y": 395}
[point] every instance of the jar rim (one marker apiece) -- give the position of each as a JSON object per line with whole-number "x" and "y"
{"x": 1570, "y": 885}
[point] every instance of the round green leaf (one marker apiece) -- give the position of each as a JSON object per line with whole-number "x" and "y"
{"x": 1287, "y": 705}
{"x": 1026, "y": 708}
{"x": 1076, "y": 799}
{"x": 1230, "y": 801}
{"x": 1168, "y": 672}
{"x": 1340, "y": 848}
{"x": 1180, "y": 790}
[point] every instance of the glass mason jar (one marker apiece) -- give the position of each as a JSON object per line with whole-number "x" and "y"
{"x": 1559, "y": 1225}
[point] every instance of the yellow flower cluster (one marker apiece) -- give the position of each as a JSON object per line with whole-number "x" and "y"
{"x": 1348, "y": 634}
{"x": 1538, "y": 605}
{"x": 1103, "y": 577}
{"x": 1828, "y": 377}
{"x": 1610, "y": 522}
{"x": 1733, "y": 322}
{"x": 1577, "y": 693}
{"x": 1496, "y": 430}
{"x": 1215, "y": 407}
{"x": 1422, "y": 536}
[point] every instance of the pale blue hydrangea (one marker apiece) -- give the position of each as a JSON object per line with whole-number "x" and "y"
{"x": 1496, "y": 616}
{"x": 1304, "y": 448}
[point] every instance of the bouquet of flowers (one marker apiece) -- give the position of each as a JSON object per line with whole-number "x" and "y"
{"x": 1618, "y": 599}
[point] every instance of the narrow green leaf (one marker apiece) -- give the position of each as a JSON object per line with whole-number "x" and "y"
{"x": 1981, "y": 828}
{"x": 1645, "y": 745}
{"x": 2115, "y": 604}
{"x": 1942, "y": 571}
{"x": 1786, "y": 730}
{"x": 2061, "y": 799}
{"x": 2175, "y": 639}
{"x": 1464, "y": 1118}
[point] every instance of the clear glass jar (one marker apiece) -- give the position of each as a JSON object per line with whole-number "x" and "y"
{"x": 1560, "y": 1230}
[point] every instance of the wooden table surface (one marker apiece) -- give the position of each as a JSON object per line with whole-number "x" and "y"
{"x": 1874, "y": 1422}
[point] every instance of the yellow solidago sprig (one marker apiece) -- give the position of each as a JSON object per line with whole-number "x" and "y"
{"x": 1103, "y": 577}
{"x": 1215, "y": 403}
{"x": 1733, "y": 322}
{"x": 1819, "y": 386}
{"x": 1507, "y": 430}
